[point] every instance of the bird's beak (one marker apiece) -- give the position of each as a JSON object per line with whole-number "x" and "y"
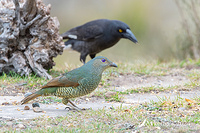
{"x": 129, "y": 35}
{"x": 113, "y": 65}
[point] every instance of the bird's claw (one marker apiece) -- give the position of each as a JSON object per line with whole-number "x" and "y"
{"x": 68, "y": 108}
{"x": 86, "y": 109}
{"x": 73, "y": 108}
{"x": 76, "y": 108}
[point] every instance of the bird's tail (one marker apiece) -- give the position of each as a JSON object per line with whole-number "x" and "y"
{"x": 42, "y": 92}
{"x": 30, "y": 97}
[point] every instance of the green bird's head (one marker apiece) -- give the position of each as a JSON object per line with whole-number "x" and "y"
{"x": 100, "y": 63}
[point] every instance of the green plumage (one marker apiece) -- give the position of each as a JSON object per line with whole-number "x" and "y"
{"x": 78, "y": 82}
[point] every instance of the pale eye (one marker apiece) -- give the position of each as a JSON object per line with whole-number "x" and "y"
{"x": 103, "y": 60}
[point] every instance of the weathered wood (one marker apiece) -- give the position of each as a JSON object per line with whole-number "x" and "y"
{"x": 29, "y": 37}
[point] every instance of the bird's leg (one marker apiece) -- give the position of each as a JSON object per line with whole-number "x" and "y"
{"x": 92, "y": 55}
{"x": 73, "y": 106}
{"x": 83, "y": 58}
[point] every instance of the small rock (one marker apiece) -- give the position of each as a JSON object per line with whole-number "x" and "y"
{"x": 128, "y": 126}
{"x": 9, "y": 123}
{"x": 111, "y": 108}
{"x": 87, "y": 99}
{"x": 35, "y": 105}
{"x": 128, "y": 110}
{"x": 21, "y": 126}
{"x": 109, "y": 94}
{"x": 14, "y": 102}
{"x": 26, "y": 108}
{"x": 37, "y": 109}
{"x": 43, "y": 111}
{"x": 5, "y": 103}
{"x": 158, "y": 128}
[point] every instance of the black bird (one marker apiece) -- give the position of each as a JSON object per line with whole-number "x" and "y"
{"x": 97, "y": 35}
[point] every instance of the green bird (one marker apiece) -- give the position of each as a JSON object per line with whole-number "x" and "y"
{"x": 78, "y": 82}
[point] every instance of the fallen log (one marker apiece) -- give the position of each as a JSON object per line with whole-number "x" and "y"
{"x": 29, "y": 37}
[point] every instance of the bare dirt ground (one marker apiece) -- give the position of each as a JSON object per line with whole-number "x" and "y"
{"x": 12, "y": 110}
{"x": 135, "y": 81}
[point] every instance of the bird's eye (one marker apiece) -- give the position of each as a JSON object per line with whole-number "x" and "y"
{"x": 120, "y": 30}
{"x": 103, "y": 60}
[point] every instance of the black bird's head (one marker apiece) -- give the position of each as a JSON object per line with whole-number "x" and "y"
{"x": 123, "y": 31}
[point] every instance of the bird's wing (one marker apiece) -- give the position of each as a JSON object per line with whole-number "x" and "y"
{"x": 92, "y": 32}
{"x": 61, "y": 81}
{"x": 84, "y": 33}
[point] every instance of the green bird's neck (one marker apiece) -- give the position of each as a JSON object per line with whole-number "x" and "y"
{"x": 93, "y": 69}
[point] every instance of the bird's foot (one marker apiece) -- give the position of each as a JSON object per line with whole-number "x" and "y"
{"x": 68, "y": 108}
{"x": 72, "y": 108}
{"x": 86, "y": 108}
{"x": 76, "y": 108}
